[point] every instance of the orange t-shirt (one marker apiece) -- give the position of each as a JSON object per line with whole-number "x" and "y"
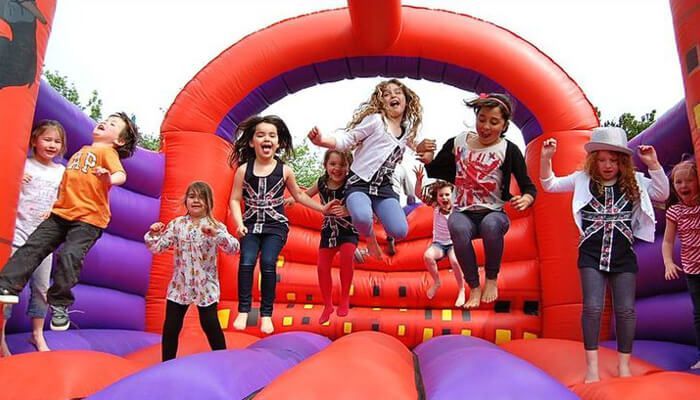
{"x": 82, "y": 196}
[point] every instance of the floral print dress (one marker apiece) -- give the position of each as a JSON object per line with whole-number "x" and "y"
{"x": 195, "y": 277}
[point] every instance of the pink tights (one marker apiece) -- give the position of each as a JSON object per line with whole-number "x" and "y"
{"x": 325, "y": 282}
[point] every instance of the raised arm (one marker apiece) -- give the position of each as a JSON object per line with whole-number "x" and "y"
{"x": 235, "y": 200}
{"x": 299, "y": 195}
{"x": 159, "y": 237}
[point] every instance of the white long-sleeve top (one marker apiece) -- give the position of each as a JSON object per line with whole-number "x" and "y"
{"x": 374, "y": 142}
{"x": 643, "y": 220}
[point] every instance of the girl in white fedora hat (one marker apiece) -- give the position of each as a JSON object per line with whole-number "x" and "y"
{"x": 611, "y": 206}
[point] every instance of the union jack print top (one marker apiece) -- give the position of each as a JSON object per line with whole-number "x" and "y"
{"x": 335, "y": 230}
{"x": 263, "y": 197}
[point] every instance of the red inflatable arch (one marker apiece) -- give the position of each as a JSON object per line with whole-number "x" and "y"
{"x": 539, "y": 284}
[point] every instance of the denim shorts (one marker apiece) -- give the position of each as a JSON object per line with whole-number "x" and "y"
{"x": 444, "y": 247}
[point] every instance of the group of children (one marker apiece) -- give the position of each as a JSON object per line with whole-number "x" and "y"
{"x": 612, "y": 204}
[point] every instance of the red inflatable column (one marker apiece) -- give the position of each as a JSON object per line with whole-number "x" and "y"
{"x": 24, "y": 31}
{"x": 375, "y": 24}
{"x": 686, "y": 22}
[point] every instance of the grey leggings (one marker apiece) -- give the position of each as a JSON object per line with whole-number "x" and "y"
{"x": 491, "y": 227}
{"x": 623, "y": 286}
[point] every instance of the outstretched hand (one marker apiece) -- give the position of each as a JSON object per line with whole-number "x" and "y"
{"x": 520, "y": 203}
{"x": 549, "y": 147}
{"x": 157, "y": 227}
{"x": 103, "y": 173}
{"x": 209, "y": 230}
{"x": 420, "y": 173}
{"x": 671, "y": 271}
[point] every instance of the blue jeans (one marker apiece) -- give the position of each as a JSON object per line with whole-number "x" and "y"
{"x": 491, "y": 227}
{"x": 361, "y": 207}
{"x": 269, "y": 247}
{"x": 694, "y": 290}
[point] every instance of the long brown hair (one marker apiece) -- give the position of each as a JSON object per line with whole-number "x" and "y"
{"x": 493, "y": 100}
{"x": 203, "y": 191}
{"x": 346, "y": 157}
{"x": 412, "y": 115}
{"x": 626, "y": 179}
{"x": 429, "y": 193}
{"x": 241, "y": 152}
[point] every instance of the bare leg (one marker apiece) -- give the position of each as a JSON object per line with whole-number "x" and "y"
{"x": 459, "y": 277}
{"x": 490, "y": 291}
{"x": 4, "y": 350}
{"x": 623, "y": 365}
{"x": 373, "y": 246}
{"x": 429, "y": 258}
{"x": 241, "y": 321}
{"x": 37, "y": 338}
{"x": 591, "y": 367}
{"x": 266, "y": 326}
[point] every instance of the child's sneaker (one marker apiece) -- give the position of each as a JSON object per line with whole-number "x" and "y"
{"x": 60, "y": 321}
{"x": 6, "y": 297}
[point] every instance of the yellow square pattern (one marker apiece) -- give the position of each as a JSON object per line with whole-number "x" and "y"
{"x": 427, "y": 333}
{"x": 280, "y": 262}
{"x": 466, "y": 332}
{"x": 503, "y": 336}
{"x": 287, "y": 321}
{"x": 347, "y": 327}
{"x": 447, "y": 315}
{"x": 528, "y": 335}
{"x": 291, "y": 296}
{"x": 402, "y": 330}
{"x": 308, "y": 306}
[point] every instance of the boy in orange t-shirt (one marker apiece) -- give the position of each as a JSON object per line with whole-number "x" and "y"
{"x": 77, "y": 219}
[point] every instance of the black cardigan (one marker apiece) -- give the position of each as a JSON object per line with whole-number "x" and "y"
{"x": 444, "y": 167}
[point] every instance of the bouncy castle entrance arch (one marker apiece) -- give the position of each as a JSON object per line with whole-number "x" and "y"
{"x": 384, "y": 39}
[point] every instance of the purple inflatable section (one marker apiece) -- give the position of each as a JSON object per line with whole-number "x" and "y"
{"x": 669, "y": 356}
{"x": 132, "y": 213}
{"x": 118, "y": 263}
{"x": 144, "y": 169}
{"x": 650, "y": 279}
{"x": 667, "y": 317}
{"x": 117, "y": 342}
{"x": 390, "y": 66}
{"x": 94, "y": 307}
{"x": 460, "y": 367}
{"x": 229, "y": 374}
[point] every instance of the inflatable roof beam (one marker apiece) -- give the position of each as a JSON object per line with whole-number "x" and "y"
{"x": 686, "y": 19}
{"x": 375, "y": 24}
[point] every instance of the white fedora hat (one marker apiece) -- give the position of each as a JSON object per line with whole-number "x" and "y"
{"x": 608, "y": 138}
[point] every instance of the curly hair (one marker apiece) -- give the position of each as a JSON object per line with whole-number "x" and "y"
{"x": 130, "y": 135}
{"x": 241, "y": 152}
{"x": 626, "y": 179}
{"x": 413, "y": 115}
{"x": 429, "y": 193}
{"x": 492, "y": 100}
{"x": 683, "y": 168}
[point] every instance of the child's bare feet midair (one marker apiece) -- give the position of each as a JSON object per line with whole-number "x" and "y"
{"x": 490, "y": 291}
{"x": 4, "y": 350}
{"x": 433, "y": 289}
{"x": 266, "y": 326}
{"x": 460, "y": 298}
{"x": 373, "y": 247}
{"x": 241, "y": 321}
{"x": 474, "y": 298}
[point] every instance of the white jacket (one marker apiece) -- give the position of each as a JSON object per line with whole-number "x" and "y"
{"x": 375, "y": 145}
{"x": 643, "y": 221}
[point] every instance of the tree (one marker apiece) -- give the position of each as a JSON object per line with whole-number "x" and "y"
{"x": 630, "y": 123}
{"x": 147, "y": 140}
{"x": 68, "y": 90}
{"x": 306, "y": 165}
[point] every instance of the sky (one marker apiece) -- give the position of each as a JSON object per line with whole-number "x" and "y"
{"x": 138, "y": 54}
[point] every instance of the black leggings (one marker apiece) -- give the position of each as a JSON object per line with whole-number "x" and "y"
{"x": 623, "y": 286}
{"x": 174, "y": 316}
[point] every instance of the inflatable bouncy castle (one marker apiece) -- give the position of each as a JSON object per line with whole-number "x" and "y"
{"x": 395, "y": 343}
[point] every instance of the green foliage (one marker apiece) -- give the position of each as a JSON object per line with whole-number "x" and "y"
{"x": 307, "y": 165}
{"x": 631, "y": 124}
{"x": 150, "y": 142}
{"x": 68, "y": 90}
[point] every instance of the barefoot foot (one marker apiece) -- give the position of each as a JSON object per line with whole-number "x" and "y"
{"x": 696, "y": 365}
{"x": 490, "y": 291}
{"x": 4, "y": 350}
{"x": 325, "y": 315}
{"x": 241, "y": 321}
{"x": 266, "y": 326}
{"x": 433, "y": 289}
{"x": 474, "y": 298}
{"x": 38, "y": 341}
{"x": 373, "y": 248}
{"x": 460, "y": 298}
{"x": 591, "y": 376}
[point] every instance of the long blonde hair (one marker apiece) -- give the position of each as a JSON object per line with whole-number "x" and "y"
{"x": 628, "y": 183}
{"x": 413, "y": 115}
